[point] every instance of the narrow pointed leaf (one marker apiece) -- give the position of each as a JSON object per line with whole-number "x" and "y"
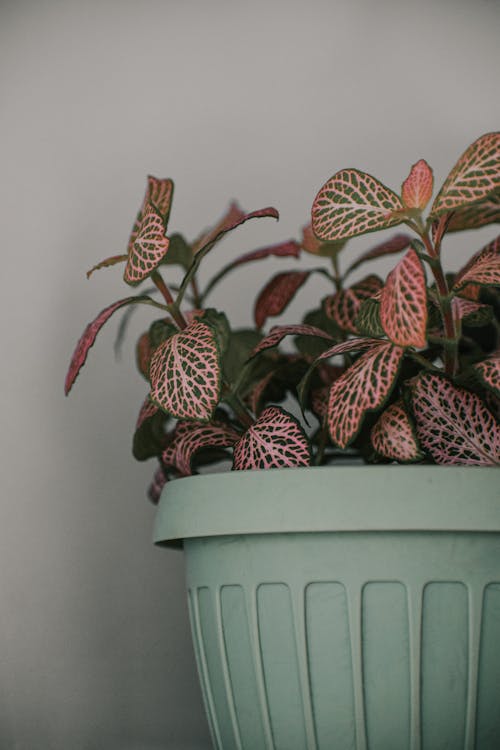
{"x": 343, "y": 307}
{"x": 389, "y": 247}
{"x": 416, "y": 190}
{"x": 149, "y": 248}
{"x": 486, "y": 211}
{"x": 89, "y": 336}
{"x": 453, "y": 424}
{"x": 233, "y": 216}
{"x": 143, "y": 353}
{"x": 278, "y": 333}
{"x": 393, "y": 435}
{"x": 363, "y": 387}
{"x": 489, "y": 372}
{"x": 352, "y": 203}
{"x": 403, "y": 303}
{"x": 276, "y": 440}
{"x": 254, "y": 397}
{"x": 185, "y": 373}
{"x": 190, "y": 437}
{"x": 277, "y": 294}
{"x": 112, "y": 261}
{"x": 234, "y": 219}
{"x": 483, "y": 268}
{"x": 159, "y": 192}
{"x": 473, "y": 178}
{"x": 279, "y": 250}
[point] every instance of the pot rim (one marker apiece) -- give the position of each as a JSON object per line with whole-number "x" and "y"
{"x": 344, "y": 499}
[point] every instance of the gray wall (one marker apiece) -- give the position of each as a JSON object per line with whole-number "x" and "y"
{"x": 262, "y": 101}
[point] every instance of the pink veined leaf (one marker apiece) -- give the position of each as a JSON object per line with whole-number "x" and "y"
{"x": 148, "y": 410}
{"x": 393, "y": 435}
{"x": 493, "y": 403}
{"x": 483, "y": 268}
{"x": 486, "y": 211}
{"x": 363, "y": 387}
{"x": 462, "y": 308}
{"x": 352, "y": 203}
{"x": 473, "y": 178}
{"x": 157, "y": 485}
{"x": 278, "y": 333}
{"x": 403, "y": 303}
{"x": 471, "y": 291}
{"x": 489, "y": 371}
{"x": 277, "y": 294}
{"x": 388, "y": 247}
{"x": 159, "y": 192}
{"x": 276, "y": 440}
{"x": 343, "y": 307}
{"x": 89, "y": 336}
{"x": 416, "y": 190}
{"x": 185, "y": 373}
{"x": 233, "y": 216}
{"x": 112, "y": 261}
{"x": 453, "y": 424}
{"x": 190, "y": 437}
{"x": 149, "y": 248}
{"x": 319, "y": 401}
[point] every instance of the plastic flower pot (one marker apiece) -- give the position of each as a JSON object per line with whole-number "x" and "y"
{"x": 344, "y": 608}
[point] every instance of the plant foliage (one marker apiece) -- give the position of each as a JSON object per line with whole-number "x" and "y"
{"x": 401, "y": 369}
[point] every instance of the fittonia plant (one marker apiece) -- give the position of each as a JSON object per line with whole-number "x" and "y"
{"x": 404, "y": 370}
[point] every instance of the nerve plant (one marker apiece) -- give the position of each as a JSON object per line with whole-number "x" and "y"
{"x": 401, "y": 370}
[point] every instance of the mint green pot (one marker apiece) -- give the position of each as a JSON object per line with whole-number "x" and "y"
{"x": 344, "y": 608}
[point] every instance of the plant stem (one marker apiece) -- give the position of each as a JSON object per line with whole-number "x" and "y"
{"x": 451, "y": 344}
{"x": 176, "y": 313}
{"x": 236, "y": 405}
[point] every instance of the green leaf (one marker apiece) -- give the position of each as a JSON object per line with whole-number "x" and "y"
{"x": 368, "y": 319}
{"x": 179, "y": 252}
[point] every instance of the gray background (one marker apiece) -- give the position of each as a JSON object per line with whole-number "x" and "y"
{"x": 262, "y": 101}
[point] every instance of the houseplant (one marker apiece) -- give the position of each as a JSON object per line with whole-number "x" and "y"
{"x": 415, "y": 378}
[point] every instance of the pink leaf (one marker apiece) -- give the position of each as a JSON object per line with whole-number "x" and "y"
{"x": 277, "y": 294}
{"x": 312, "y": 245}
{"x": 89, "y": 336}
{"x": 190, "y": 437}
{"x": 486, "y": 211}
{"x": 416, "y": 190}
{"x": 489, "y": 371}
{"x": 148, "y": 410}
{"x": 352, "y": 203}
{"x": 159, "y": 192}
{"x": 143, "y": 354}
{"x": 473, "y": 178}
{"x": 157, "y": 485}
{"x": 453, "y": 424}
{"x": 112, "y": 261}
{"x": 462, "y": 308}
{"x": 393, "y": 435}
{"x": 254, "y": 397}
{"x": 276, "y": 440}
{"x": 403, "y": 303}
{"x": 149, "y": 248}
{"x": 483, "y": 268}
{"x": 279, "y": 250}
{"x": 363, "y": 387}
{"x": 388, "y": 247}
{"x": 278, "y": 333}
{"x": 343, "y": 307}
{"x": 185, "y": 373}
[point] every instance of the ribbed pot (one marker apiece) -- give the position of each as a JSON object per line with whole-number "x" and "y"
{"x": 344, "y": 608}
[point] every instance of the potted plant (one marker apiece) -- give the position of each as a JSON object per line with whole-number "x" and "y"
{"x": 334, "y": 605}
